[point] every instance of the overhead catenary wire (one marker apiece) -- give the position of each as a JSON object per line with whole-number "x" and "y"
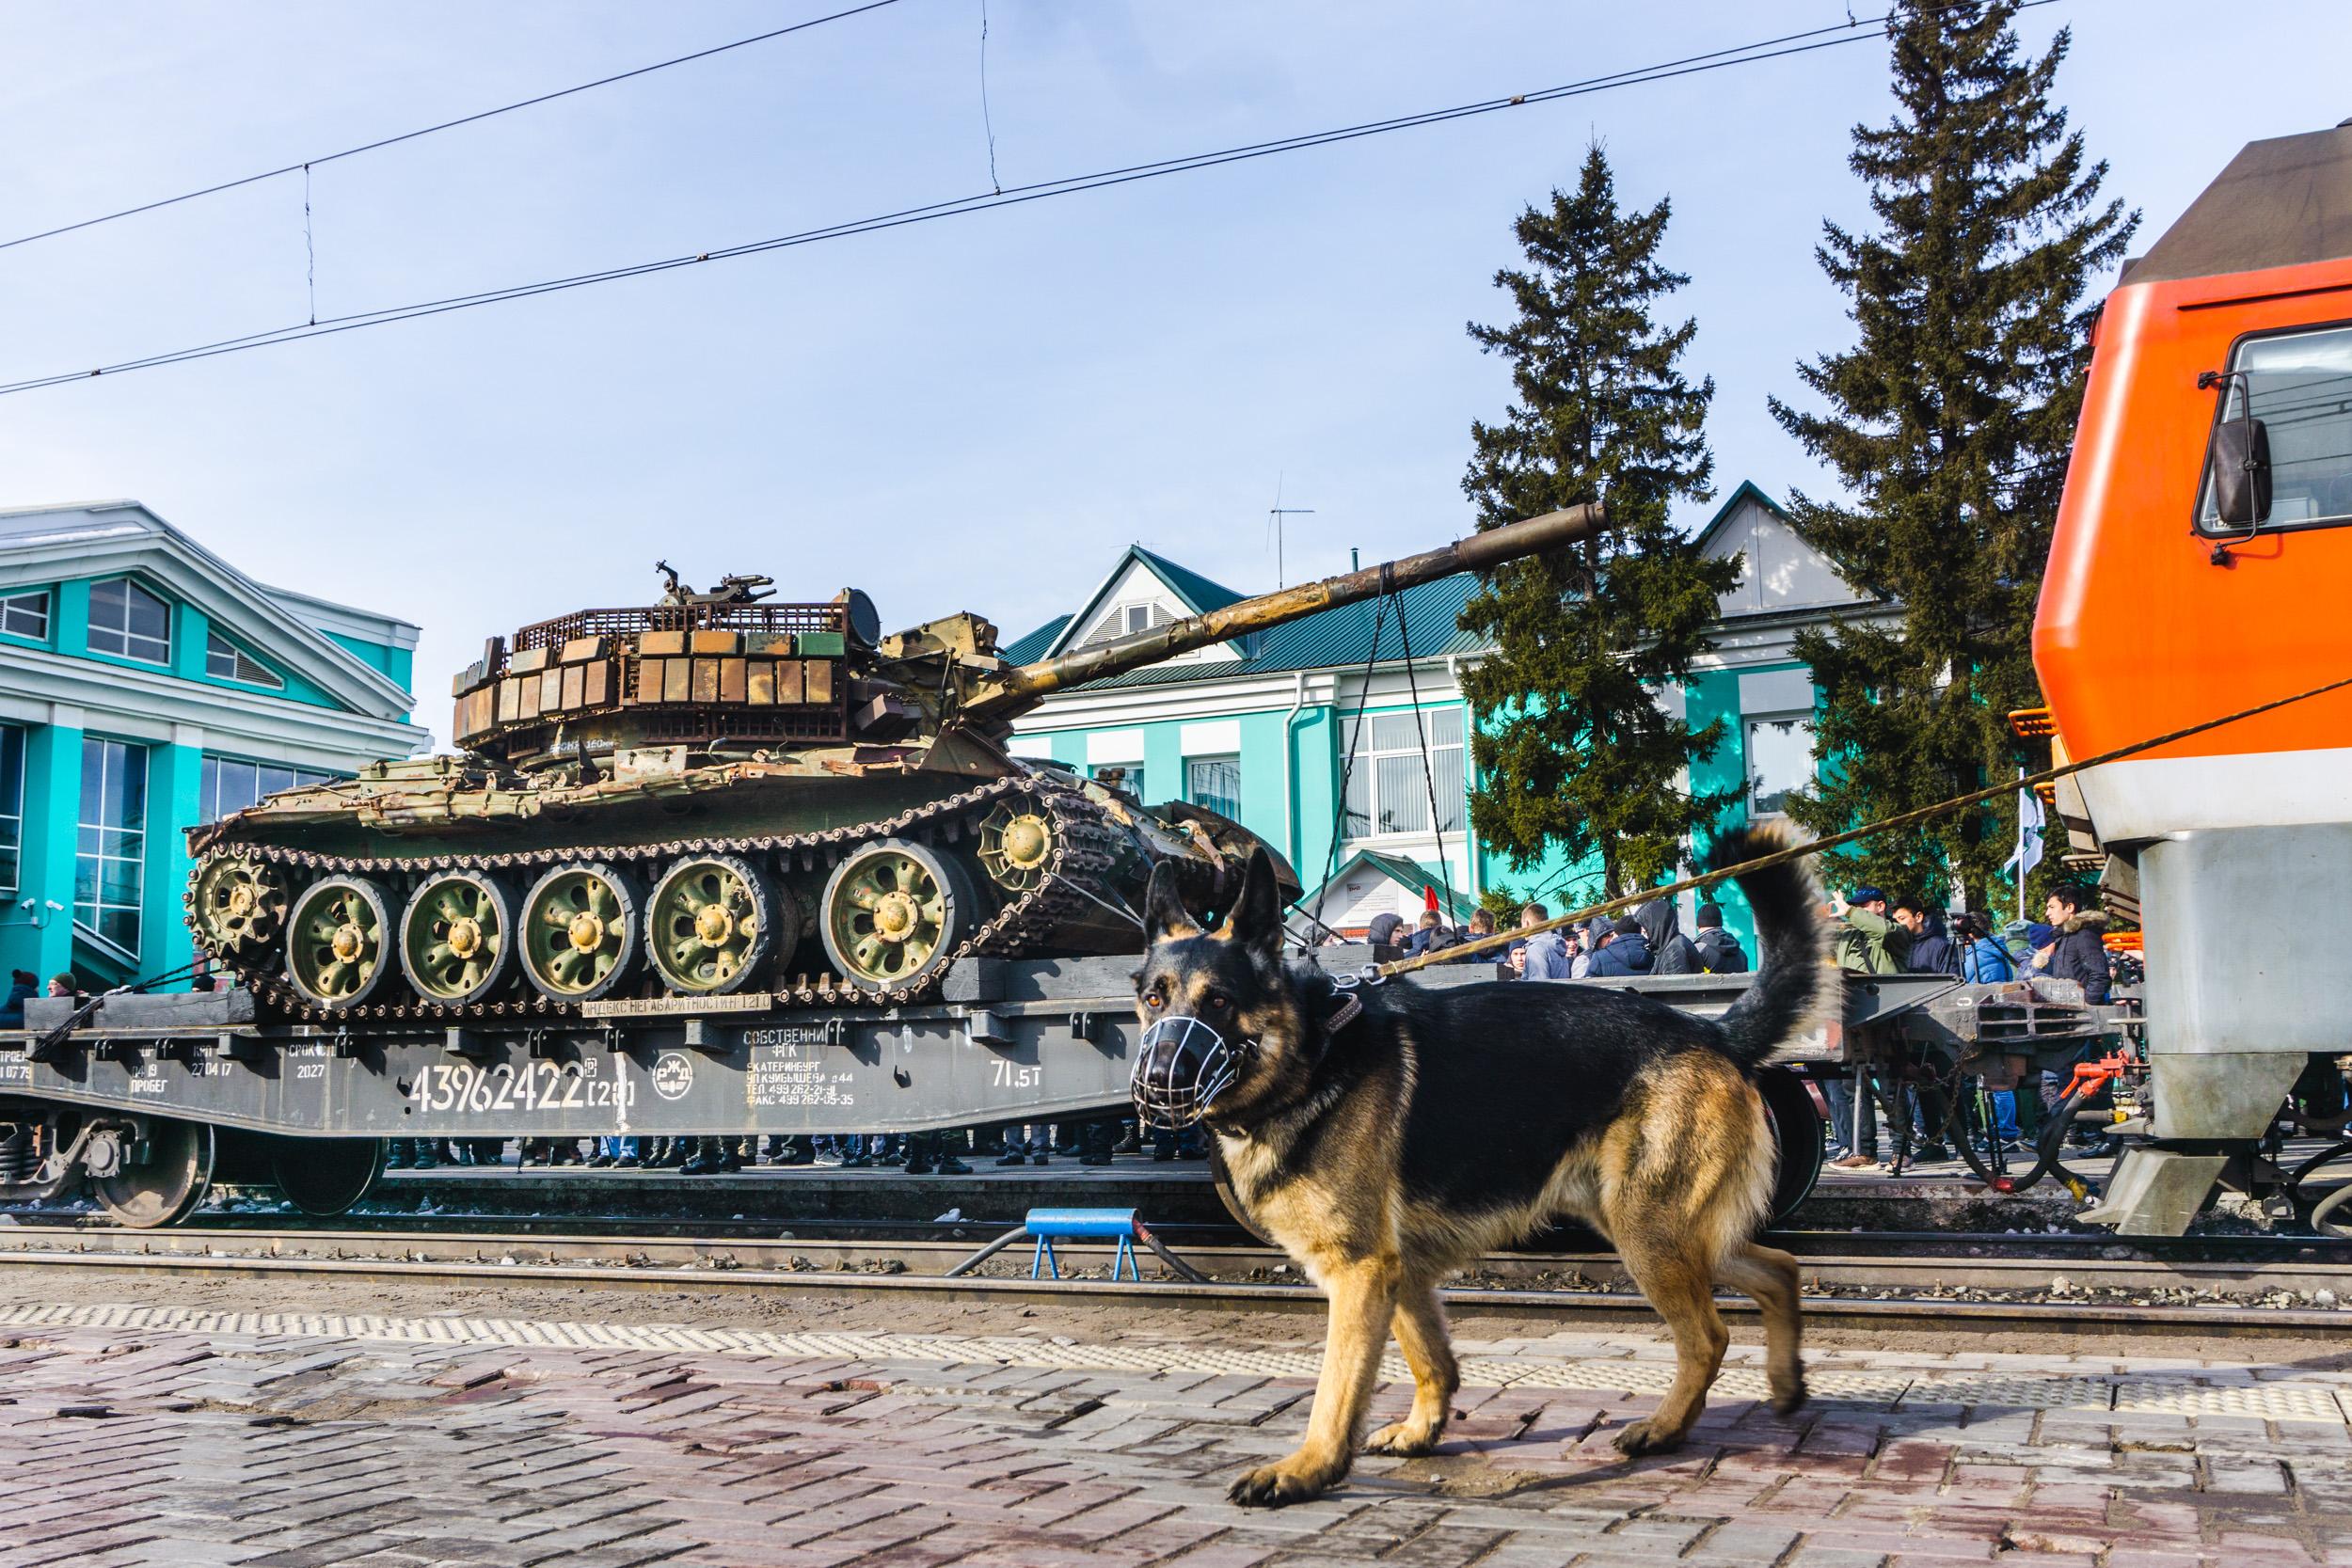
{"x": 474, "y": 119}
{"x": 1887, "y": 824}
{"x": 1769, "y": 49}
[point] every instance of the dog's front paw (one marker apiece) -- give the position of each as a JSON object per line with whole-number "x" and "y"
{"x": 1647, "y": 1437}
{"x": 1402, "y": 1438}
{"x": 1278, "y": 1485}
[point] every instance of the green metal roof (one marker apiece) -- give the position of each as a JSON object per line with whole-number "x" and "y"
{"x": 1408, "y": 874}
{"x": 1330, "y": 638}
{"x": 1029, "y": 649}
{"x": 1190, "y": 586}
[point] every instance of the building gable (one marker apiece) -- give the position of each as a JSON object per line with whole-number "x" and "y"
{"x": 1143, "y": 590}
{"x": 1778, "y": 571}
{"x": 67, "y": 551}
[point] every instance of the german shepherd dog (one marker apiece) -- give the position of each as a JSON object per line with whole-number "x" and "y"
{"x": 1386, "y": 1135}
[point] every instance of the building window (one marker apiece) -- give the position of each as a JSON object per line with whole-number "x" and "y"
{"x": 110, "y": 857}
{"x": 225, "y": 659}
{"x": 1388, "y": 785}
{"x": 11, "y": 804}
{"x": 1124, "y": 620}
{"x": 1214, "y": 783}
{"x": 229, "y": 784}
{"x": 129, "y": 622}
{"x": 1130, "y": 777}
{"x": 1780, "y": 759}
{"x": 27, "y": 615}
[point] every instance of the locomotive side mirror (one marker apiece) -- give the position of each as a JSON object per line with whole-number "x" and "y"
{"x": 2240, "y": 465}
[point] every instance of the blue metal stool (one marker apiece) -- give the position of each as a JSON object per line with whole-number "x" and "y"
{"x": 1047, "y": 1226}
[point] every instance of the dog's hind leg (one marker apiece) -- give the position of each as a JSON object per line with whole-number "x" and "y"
{"x": 1363, "y": 1297}
{"x": 1681, "y": 1284}
{"x": 1420, "y": 1328}
{"x": 1769, "y": 1275}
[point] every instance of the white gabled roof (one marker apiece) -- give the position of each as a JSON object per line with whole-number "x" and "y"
{"x": 1778, "y": 571}
{"x": 45, "y": 544}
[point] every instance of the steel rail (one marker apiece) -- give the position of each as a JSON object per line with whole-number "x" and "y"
{"x": 735, "y": 1264}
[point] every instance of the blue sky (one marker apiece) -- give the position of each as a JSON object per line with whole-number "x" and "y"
{"x": 976, "y": 414}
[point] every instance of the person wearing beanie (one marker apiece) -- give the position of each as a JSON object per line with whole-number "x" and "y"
{"x": 1718, "y": 951}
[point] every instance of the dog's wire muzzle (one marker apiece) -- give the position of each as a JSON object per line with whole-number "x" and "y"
{"x": 1182, "y": 1065}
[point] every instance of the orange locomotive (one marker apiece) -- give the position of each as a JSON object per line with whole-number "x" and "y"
{"x": 2202, "y": 564}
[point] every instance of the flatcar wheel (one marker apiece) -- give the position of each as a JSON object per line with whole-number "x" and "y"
{"x": 239, "y": 904}
{"x": 323, "y": 1177}
{"x": 580, "y": 931}
{"x": 1797, "y": 1129}
{"x": 337, "y": 942}
{"x": 161, "y": 1188}
{"x": 895, "y": 912}
{"x": 712, "y": 923}
{"x": 456, "y": 937}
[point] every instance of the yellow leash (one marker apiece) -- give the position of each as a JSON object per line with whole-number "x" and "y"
{"x": 1796, "y": 851}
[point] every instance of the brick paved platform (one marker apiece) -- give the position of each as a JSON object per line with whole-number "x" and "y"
{"x": 166, "y": 1435}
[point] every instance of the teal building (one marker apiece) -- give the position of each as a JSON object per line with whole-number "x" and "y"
{"x": 1324, "y": 738}
{"x": 148, "y": 686}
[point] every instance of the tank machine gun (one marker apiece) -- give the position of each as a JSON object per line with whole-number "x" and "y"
{"x": 721, "y": 793}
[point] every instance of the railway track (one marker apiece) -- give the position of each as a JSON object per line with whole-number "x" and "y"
{"x": 2079, "y": 1295}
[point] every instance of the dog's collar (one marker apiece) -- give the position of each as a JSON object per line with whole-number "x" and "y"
{"x": 1351, "y": 1007}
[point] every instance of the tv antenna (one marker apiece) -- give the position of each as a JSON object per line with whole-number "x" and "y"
{"x": 1275, "y": 515}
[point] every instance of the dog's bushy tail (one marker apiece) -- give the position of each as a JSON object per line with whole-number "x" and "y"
{"x": 1793, "y": 993}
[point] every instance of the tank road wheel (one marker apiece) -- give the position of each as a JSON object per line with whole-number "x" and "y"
{"x": 580, "y": 936}
{"x": 895, "y": 912}
{"x": 239, "y": 904}
{"x": 337, "y": 941}
{"x": 1016, "y": 845}
{"x": 323, "y": 1177}
{"x": 159, "y": 1189}
{"x": 711, "y": 924}
{"x": 455, "y": 936}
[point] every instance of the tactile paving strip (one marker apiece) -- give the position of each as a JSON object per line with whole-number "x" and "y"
{"x": 2185, "y": 1393}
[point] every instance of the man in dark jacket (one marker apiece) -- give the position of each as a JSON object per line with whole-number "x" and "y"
{"x": 1431, "y": 936}
{"x": 1932, "y": 951}
{"x": 1671, "y": 952}
{"x": 1718, "y": 951}
{"x": 1625, "y": 952}
{"x": 2079, "y": 953}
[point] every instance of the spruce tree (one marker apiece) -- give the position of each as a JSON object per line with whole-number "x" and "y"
{"x": 1948, "y": 424}
{"x": 1572, "y": 748}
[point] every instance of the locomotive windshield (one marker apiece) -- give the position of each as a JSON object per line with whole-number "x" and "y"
{"x": 2300, "y": 385}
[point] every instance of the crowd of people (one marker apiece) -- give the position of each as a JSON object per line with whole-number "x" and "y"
{"x": 1904, "y": 935}
{"x": 1647, "y": 941}
{"x": 949, "y": 1153}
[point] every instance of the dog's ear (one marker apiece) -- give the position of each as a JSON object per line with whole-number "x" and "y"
{"x": 1256, "y": 922}
{"x": 1164, "y": 914}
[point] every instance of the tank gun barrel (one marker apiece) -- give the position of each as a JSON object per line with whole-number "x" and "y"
{"x": 1023, "y": 687}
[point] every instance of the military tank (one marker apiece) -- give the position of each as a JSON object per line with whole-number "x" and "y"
{"x": 721, "y": 794}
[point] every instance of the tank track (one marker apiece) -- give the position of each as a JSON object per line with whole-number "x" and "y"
{"x": 1085, "y": 850}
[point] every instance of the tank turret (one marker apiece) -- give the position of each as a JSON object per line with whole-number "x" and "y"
{"x": 723, "y": 792}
